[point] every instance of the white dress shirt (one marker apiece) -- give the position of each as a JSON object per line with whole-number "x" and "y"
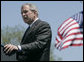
{"x": 19, "y": 47}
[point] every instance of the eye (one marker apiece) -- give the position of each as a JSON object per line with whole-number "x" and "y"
{"x": 24, "y": 11}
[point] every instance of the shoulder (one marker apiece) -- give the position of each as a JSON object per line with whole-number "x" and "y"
{"x": 41, "y": 22}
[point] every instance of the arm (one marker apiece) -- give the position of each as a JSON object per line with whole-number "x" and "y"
{"x": 43, "y": 37}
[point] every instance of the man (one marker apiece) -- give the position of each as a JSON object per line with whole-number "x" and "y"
{"x": 35, "y": 44}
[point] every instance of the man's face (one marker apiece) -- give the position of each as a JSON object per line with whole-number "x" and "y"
{"x": 27, "y": 14}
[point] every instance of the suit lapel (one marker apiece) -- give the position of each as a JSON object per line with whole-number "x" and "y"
{"x": 25, "y": 34}
{"x": 33, "y": 27}
{"x": 30, "y": 30}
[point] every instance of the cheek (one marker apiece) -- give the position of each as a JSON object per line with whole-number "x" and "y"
{"x": 30, "y": 14}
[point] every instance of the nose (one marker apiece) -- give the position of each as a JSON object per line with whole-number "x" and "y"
{"x": 23, "y": 14}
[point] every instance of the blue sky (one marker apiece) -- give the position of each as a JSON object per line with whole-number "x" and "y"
{"x": 54, "y": 12}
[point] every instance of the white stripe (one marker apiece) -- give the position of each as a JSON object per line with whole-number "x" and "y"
{"x": 67, "y": 26}
{"x": 58, "y": 38}
{"x": 78, "y": 42}
{"x": 73, "y": 26}
{"x": 74, "y": 42}
{"x": 72, "y": 31}
{"x": 68, "y": 43}
{"x": 57, "y": 45}
{"x": 65, "y": 23}
{"x": 73, "y": 36}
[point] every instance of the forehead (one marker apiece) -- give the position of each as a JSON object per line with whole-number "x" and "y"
{"x": 25, "y": 7}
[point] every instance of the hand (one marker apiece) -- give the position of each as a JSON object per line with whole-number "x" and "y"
{"x": 9, "y": 48}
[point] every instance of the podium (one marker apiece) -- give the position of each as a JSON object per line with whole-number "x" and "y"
{"x": 5, "y": 57}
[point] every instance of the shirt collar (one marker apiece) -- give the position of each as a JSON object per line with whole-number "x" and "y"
{"x": 33, "y": 22}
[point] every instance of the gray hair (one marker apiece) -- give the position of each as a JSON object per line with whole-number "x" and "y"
{"x": 32, "y": 7}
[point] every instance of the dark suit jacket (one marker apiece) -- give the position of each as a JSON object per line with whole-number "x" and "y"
{"x": 36, "y": 43}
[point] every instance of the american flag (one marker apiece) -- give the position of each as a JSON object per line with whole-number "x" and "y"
{"x": 70, "y": 33}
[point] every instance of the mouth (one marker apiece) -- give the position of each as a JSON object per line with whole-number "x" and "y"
{"x": 25, "y": 17}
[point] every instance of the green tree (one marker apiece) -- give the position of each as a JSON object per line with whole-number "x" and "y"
{"x": 12, "y": 34}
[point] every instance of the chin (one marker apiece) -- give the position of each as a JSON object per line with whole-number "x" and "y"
{"x": 25, "y": 21}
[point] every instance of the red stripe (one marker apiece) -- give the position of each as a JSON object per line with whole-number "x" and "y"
{"x": 71, "y": 29}
{"x": 63, "y": 23}
{"x": 65, "y": 47}
{"x": 60, "y": 35}
{"x": 57, "y": 40}
{"x": 68, "y": 27}
{"x": 77, "y": 44}
{"x": 70, "y": 39}
{"x": 73, "y": 40}
{"x": 58, "y": 45}
{"x": 71, "y": 45}
{"x": 73, "y": 34}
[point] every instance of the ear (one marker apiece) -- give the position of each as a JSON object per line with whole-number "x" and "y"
{"x": 35, "y": 12}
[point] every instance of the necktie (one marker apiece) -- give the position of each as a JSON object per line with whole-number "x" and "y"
{"x": 27, "y": 30}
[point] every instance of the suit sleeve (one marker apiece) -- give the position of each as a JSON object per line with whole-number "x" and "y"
{"x": 43, "y": 37}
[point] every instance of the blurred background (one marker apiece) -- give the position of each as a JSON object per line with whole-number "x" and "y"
{"x": 54, "y": 12}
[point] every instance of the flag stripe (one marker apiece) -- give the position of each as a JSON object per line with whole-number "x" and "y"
{"x": 58, "y": 39}
{"x": 71, "y": 45}
{"x": 70, "y": 42}
{"x": 68, "y": 28}
{"x": 60, "y": 35}
{"x": 73, "y": 30}
{"x": 74, "y": 34}
{"x": 67, "y": 24}
{"x": 73, "y": 26}
{"x": 77, "y": 44}
{"x": 64, "y": 23}
{"x": 70, "y": 33}
{"x": 72, "y": 37}
{"x": 77, "y": 39}
{"x": 64, "y": 26}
